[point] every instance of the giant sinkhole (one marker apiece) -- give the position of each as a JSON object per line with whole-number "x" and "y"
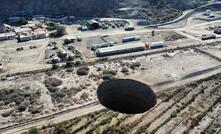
{"x": 126, "y": 96}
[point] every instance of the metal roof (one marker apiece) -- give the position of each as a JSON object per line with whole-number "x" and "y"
{"x": 7, "y": 34}
{"x": 92, "y": 22}
{"x": 120, "y": 47}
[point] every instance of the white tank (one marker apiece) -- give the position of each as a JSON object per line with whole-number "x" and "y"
{"x": 159, "y": 44}
{"x": 131, "y": 38}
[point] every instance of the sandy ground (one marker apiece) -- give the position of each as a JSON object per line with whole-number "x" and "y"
{"x": 159, "y": 69}
{"x": 28, "y": 59}
{"x": 154, "y": 70}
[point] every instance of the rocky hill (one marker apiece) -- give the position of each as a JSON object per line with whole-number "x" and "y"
{"x": 90, "y": 8}
{"x": 54, "y": 7}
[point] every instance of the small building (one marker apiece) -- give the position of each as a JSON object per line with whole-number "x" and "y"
{"x": 102, "y": 45}
{"x": 24, "y": 37}
{"x": 7, "y": 36}
{"x": 84, "y": 28}
{"x": 212, "y": 15}
{"x": 37, "y": 24}
{"x": 120, "y": 49}
{"x": 33, "y": 25}
{"x": 19, "y": 30}
{"x": 29, "y": 25}
{"x": 92, "y": 24}
{"x": 39, "y": 34}
{"x": 207, "y": 12}
{"x": 155, "y": 45}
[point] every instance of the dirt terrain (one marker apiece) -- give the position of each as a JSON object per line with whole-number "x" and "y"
{"x": 65, "y": 89}
{"x": 192, "y": 108}
{"x": 61, "y": 97}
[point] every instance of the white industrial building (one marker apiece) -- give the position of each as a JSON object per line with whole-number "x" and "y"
{"x": 19, "y": 30}
{"x": 121, "y": 49}
{"x": 24, "y": 37}
{"x": 33, "y": 24}
{"x": 7, "y": 36}
{"x": 40, "y": 34}
{"x": 127, "y": 48}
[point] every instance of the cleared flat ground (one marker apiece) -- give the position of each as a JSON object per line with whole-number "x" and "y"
{"x": 214, "y": 50}
{"x": 28, "y": 59}
{"x": 157, "y": 69}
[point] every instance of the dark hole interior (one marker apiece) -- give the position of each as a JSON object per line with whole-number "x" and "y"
{"x": 126, "y": 96}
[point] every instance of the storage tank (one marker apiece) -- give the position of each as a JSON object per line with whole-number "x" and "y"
{"x": 155, "y": 45}
{"x": 131, "y": 38}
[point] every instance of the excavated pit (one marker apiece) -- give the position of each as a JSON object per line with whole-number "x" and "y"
{"x": 126, "y": 96}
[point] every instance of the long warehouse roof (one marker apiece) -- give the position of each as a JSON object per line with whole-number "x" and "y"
{"x": 7, "y": 34}
{"x": 121, "y": 47}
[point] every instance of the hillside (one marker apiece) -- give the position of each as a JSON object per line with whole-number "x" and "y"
{"x": 91, "y": 8}
{"x": 55, "y": 7}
